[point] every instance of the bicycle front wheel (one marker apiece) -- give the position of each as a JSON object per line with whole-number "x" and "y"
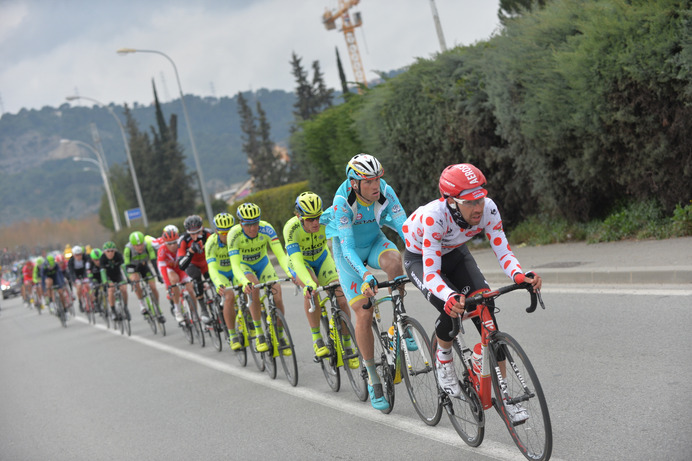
{"x": 215, "y": 328}
{"x": 350, "y": 354}
{"x": 150, "y": 315}
{"x": 241, "y": 330}
{"x": 521, "y": 388}
{"x": 465, "y": 412}
{"x": 268, "y": 357}
{"x": 328, "y": 363}
{"x": 287, "y": 351}
{"x": 419, "y": 372}
{"x": 384, "y": 369}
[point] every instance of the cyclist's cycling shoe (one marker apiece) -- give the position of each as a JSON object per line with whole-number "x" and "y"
{"x": 179, "y": 316}
{"x": 261, "y": 344}
{"x": 517, "y": 413}
{"x": 320, "y": 349}
{"x": 377, "y": 399}
{"x": 235, "y": 343}
{"x": 411, "y": 344}
{"x": 143, "y": 309}
{"x": 353, "y": 362}
{"x": 447, "y": 378}
{"x": 283, "y": 345}
{"x": 205, "y": 315}
{"x": 162, "y": 319}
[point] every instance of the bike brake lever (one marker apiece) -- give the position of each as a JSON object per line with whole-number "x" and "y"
{"x": 532, "y": 307}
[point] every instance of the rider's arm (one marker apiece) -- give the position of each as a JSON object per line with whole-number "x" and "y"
{"x": 211, "y": 249}
{"x": 394, "y": 215}
{"x": 277, "y": 249}
{"x": 498, "y": 240}
{"x": 234, "y": 237}
{"x": 343, "y": 216}
{"x": 295, "y": 254}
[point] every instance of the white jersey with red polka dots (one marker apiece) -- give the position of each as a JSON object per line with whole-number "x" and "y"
{"x": 431, "y": 232}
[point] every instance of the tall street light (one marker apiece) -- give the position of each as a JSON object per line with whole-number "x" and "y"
{"x": 104, "y": 176}
{"x": 200, "y": 176}
{"x": 138, "y": 193}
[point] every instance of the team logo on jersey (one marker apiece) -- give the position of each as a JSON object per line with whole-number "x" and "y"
{"x": 344, "y": 220}
{"x": 359, "y": 216}
{"x": 493, "y": 211}
{"x": 473, "y": 232}
{"x": 396, "y": 209}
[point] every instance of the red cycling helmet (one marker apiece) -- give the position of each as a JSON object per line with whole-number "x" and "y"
{"x": 463, "y": 181}
{"x": 170, "y": 236}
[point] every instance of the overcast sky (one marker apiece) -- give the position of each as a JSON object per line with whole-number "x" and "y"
{"x": 50, "y": 49}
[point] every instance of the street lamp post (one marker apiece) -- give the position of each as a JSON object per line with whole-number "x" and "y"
{"x": 104, "y": 177}
{"x": 138, "y": 193}
{"x": 200, "y": 175}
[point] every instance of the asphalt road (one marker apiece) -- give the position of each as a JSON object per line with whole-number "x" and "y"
{"x": 614, "y": 365}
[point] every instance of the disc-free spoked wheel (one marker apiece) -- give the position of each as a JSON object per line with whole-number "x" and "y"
{"x": 287, "y": 351}
{"x": 465, "y": 412}
{"x": 268, "y": 357}
{"x": 419, "y": 372}
{"x": 384, "y": 370}
{"x": 328, "y": 363}
{"x": 534, "y": 436}
{"x": 357, "y": 377}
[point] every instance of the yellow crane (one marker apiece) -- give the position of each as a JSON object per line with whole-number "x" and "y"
{"x": 348, "y": 27}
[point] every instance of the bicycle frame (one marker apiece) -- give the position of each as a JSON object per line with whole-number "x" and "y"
{"x": 483, "y": 383}
{"x": 270, "y": 309}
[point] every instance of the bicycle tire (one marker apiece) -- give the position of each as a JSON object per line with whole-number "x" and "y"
{"x": 268, "y": 357}
{"x": 329, "y": 363}
{"x": 60, "y": 310}
{"x": 465, "y": 412}
{"x": 384, "y": 369}
{"x": 288, "y": 362}
{"x": 240, "y": 328}
{"x": 149, "y": 315}
{"x": 418, "y": 368}
{"x": 198, "y": 329}
{"x": 357, "y": 377}
{"x": 533, "y": 437}
{"x": 215, "y": 328}
{"x": 104, "y": 311}
{"x": 186, "y": 325}
{"x": 256, "y": 355}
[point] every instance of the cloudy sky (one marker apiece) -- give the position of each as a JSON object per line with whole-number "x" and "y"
{"x": 50, "y": 49}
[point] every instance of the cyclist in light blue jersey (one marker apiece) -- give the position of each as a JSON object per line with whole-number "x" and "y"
{"x": 361, "y": 206}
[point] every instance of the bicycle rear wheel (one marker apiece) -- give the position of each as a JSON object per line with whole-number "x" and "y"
{"x": 357, "y": 377}
{"x": 384, "y": 369}
{"x": 60, "y": 310}
{"x": 534, "y": 436}
{"x": 187, "y": 324}
{"x": 465, "y": 412}
{"x": 288, "y": 362}
{"x": 328, "y": 363}
{"x": 150, "y": 315}
{"x": 419, "y": 372}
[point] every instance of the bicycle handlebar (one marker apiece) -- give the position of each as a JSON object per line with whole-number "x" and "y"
{"x": 386, "y": 284}
{"x": 481, "y": 297}
{"x": 331, "y": 286}
{"x": 269, "y": 283}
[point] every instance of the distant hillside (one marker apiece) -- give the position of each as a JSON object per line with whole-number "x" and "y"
{"x": 39, "y": 179}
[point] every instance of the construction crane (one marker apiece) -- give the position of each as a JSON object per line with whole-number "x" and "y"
{"x": 348, "y": 27}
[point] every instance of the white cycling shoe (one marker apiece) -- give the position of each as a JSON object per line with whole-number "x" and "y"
{"x": 447, "y": 378}
{"x": 517, "y": 413}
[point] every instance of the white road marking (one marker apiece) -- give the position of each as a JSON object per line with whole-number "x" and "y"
{"x": 362, "y": 410}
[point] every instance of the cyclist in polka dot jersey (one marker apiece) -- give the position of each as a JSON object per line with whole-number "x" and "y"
{"x": 441, "y": 266}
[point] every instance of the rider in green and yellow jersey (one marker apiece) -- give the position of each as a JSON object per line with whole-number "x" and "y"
{"x": 220, "y": 272}
{"x": 247, "y": 245}
{"x": 311, "y": 263}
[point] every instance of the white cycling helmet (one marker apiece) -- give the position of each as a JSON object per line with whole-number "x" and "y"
{"x": 364, "y": 166}
{"x": 77, "y": 250}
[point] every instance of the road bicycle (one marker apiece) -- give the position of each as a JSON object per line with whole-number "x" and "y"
{"x": 514, "y": 383}
{"x": 191, "y": 324}
{"x": 122, "y": 313}
{"x": 280, "y": 341}
{"x": 84, "y": 294}
{"x": 245, "y": 329}
{"x": 153, "y": 314}
{"x": 101, "y": 303}
{"x": 216, "y": 326}
{"x": 59, "y": 307}
{"x": 340, "y": 338}
{"x": 404, "y": 350}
